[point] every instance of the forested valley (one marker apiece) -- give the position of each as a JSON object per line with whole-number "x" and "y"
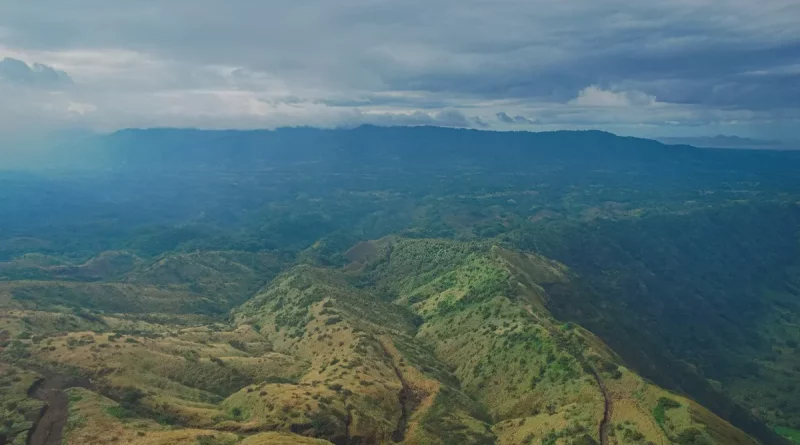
{"x": 414, "y": 285}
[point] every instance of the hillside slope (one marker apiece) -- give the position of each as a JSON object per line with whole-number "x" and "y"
{"x": 489, "y": 287}
{"x": 417, "y": 342}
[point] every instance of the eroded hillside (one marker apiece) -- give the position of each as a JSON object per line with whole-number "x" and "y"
{"x": 415, "y": 341}
{"x": 400, "y": 285}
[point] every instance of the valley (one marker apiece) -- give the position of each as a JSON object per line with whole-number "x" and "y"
{"x": 391, "y": 285}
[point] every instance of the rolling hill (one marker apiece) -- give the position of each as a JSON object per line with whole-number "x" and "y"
{"x": 400, "y": 285}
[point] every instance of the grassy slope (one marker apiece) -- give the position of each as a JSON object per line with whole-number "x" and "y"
{"x": 420, "y": 341}
{"x": 16, "y": 408}
{"x": 789, "y": 433}
{"x": 771, "y": 389}
{"x": 206, "y": 283}
{"x": 485, "y": 315}
{"x": 236, "y": 276}
{"x": 694, "y": 302}
{"x": 34, "y": 266}
{"x": 106, "y": 297}
{"x": 382, "y": 384}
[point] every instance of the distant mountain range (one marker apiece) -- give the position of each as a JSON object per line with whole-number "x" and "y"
{"x": 721, "y": 141}
{"x": 399, "y": 285}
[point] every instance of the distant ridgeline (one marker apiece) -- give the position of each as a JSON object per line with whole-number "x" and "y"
{"x": 403, "y": 285}
{"x": 419, "y": 147}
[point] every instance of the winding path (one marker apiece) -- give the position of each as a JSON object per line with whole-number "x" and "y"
{"x": 403, "y": 397}
{"x": 48, "y": 429}
{"x": 605, "y": 424}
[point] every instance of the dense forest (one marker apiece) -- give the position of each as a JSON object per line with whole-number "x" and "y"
{"x": 399, "y": 285}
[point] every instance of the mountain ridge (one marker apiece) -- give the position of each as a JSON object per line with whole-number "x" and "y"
{"x": 406, "y": 284}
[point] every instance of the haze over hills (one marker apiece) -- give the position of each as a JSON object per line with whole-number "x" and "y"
{"x": 415, "y": 285}
{"x": 721, "y": 141}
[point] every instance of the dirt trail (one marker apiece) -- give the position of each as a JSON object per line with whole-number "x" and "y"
{"x": 49, "y": 427}
{"x": 606, "y": 422}
{"x": 399, "y": 433}
{"x": 404, "y": 398}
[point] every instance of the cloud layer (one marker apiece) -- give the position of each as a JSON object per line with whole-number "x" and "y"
{"x": 685, "y": 67}
{"x": 38, "y": 75}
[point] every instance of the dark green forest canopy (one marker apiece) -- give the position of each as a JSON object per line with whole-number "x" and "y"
{"x": 688, "y": 259}
{"x": 153, "y": 190}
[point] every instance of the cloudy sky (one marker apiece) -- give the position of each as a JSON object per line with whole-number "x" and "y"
{"x": 649, "y": 68}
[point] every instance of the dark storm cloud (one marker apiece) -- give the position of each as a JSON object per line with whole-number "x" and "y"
{"x": 693, "y": 60}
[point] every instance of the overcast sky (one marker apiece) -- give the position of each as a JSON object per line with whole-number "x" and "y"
{"x": 648, "y": 68}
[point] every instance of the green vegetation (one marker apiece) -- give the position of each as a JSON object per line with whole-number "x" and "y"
{"x": 16, "y": 409}
{"x": 789, "y": 433}
{"x": 661, "y": 408}
{"x": 404, "y": 285}
{"x": 119, "y": 412}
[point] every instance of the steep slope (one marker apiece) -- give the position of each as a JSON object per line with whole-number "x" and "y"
{"x": 416, "y": 342}
{"x": 232, "y": 275}
{"x": 485, "y": 314}
{"x": 16, "y": 408}
{"x": 105, "y": 266}
{"x": 698, "y": 302}
{"x": 177, "y": 286}
{"x": 382, "y": 385}
{"x": 682, "y": 261}
{"x": 107, "y": 297}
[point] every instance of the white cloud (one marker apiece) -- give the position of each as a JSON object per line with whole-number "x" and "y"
{"x": 80, "y": 108}
{"x": 243, "y": 63}
{"x": 594, "y": 96}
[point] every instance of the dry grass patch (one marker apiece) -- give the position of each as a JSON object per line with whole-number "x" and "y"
{"x": 274, "y": 438}
{"x": 97, "y": 420}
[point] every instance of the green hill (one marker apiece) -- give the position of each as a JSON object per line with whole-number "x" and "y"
{"x": 401, "y": 285}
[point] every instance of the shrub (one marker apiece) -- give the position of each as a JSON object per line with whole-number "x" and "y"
{"x": 237, "y": 344}
{"x": 659, "y": 412}
{"x": 585, "y": 440}
{"x": 236, "y": 413}
{"x": 668, "y": 403}
{"x": 119, "y": 412}
{"x": 323, "y": 425}
{"x": 333, "y": 320}
{"x": 692, "y": 436}
{"x": 208, "y": 439}
{"x": 130, "y": 397}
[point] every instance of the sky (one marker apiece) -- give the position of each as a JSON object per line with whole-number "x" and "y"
{"x": 678, "y": 68}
